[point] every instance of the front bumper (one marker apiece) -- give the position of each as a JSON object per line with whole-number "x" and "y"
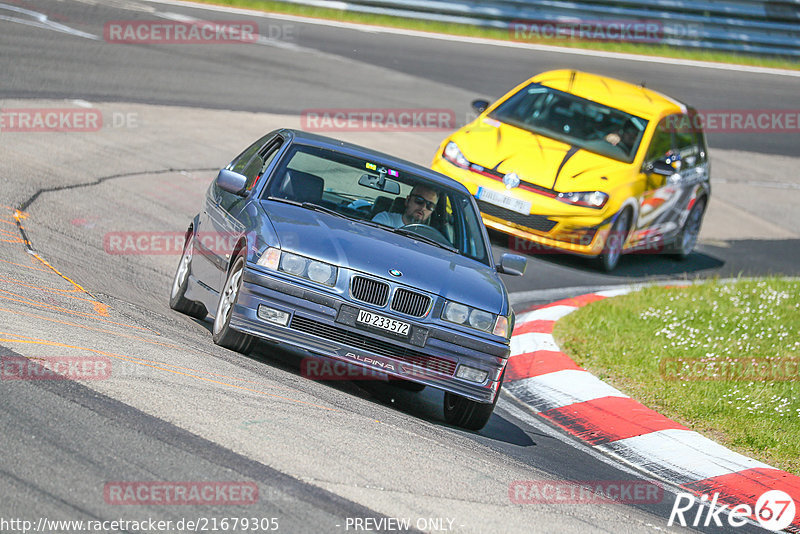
{"x": 572, "y": 229}
{"x": 324, "y": 325}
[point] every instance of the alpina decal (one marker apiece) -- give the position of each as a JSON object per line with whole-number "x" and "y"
{"x": 371, "y": 361}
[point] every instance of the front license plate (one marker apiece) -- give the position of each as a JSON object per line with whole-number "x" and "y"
{"x": 504, "y": 201}
{"x": 384, "y": 323}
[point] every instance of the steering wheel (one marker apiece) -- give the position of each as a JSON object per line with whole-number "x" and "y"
{"x": 427, "y": 231}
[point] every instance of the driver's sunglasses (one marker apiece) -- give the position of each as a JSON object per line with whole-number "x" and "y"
{"x": 423, "y": 201}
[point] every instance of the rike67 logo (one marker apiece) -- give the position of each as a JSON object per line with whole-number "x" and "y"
{"x": 775, "y": 510}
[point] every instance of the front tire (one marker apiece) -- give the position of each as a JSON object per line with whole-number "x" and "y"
{"x": 612, "y": 249}
{"x": 177, "y": 298}
{"x": 687, "y": 238}
{"x": 469, "y": 414}
{"x": 222, "y": 334}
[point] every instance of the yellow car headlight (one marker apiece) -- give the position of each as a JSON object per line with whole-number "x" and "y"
{"x": 453, "y": 154}
{"x": 587, "y": 199}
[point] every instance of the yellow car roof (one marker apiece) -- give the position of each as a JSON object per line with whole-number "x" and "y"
{"x": 611, "y": 92}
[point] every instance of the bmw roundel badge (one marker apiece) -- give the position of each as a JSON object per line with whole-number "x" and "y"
{"x": 395, "y": 272}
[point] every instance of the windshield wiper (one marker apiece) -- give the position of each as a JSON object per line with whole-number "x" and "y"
{"x": 285, "y": 201}
{"x": 314, "y": 207}
{"x": 323, "y": 209}
{"x": 420, "y": 237}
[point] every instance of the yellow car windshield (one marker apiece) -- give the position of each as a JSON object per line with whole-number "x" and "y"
{"x": 573, "y": 120}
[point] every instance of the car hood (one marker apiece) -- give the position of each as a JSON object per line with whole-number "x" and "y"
{"x": 536, "y": 159}
{"x": 375, "y": 251}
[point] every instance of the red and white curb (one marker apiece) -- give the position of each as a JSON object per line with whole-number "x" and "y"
{"x": 557, "y": 389}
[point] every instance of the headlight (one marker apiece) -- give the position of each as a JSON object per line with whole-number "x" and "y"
{"x": 464, "y": 315}
{"x": 588, "y": 199}
{"x": 456, "y": 313}
{"x": 316, "y": 271}
{"x": 453, "y": 154}
{"x": 322, "y": 273}
{"x": 481, "y": 320}
{"x": 293, "y": 264}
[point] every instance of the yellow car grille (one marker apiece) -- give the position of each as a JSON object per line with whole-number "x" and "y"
{"x": 540, "y": 223}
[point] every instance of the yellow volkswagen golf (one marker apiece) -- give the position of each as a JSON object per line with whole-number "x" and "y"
{"x": 585, "y": 164}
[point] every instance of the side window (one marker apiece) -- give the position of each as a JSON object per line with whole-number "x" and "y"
{"x": 250, "y": 164}
{"x": 689, "y": 143}
{"x": 241, "y": 161}
{"x": 251, "y": 170}
{"x": 661, "y": 144}
{"x": 258, "y": 165}
{"x": 254, "y": 161}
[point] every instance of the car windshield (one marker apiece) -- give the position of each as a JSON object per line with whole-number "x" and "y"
{"x": 375, "y": 193}
{"x": 573, "y": 120}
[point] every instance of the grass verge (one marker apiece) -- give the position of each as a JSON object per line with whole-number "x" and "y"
{"x": 720, "y": 358}
{"x": 504, "y": 35}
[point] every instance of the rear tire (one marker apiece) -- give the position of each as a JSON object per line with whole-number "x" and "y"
{"x": 469, "y": 414}
{"x": 177, "y": 299}
{"x": 612, "y": 248}
{"x": 687, "y": 238}
{"x": 222, "y": 334}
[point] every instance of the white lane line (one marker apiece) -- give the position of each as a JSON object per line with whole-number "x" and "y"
{"x": 680, "y": 456}
{"x": 531, "y": 342}
{"x": 562, "y": 388}
{"x": 41, "y": 21}
{"x": 490, "y": 42}
{"x": 548, "y": 313}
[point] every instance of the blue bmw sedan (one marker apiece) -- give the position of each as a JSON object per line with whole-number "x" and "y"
{"x": 356, "y": 256}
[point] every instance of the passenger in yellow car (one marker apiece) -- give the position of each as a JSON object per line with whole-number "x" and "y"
{"x": 625, "y": 139}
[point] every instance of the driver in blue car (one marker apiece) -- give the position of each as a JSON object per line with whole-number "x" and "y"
{"x": 420, "y": 204}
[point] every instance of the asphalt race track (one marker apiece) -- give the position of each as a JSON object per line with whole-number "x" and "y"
{"x": 175, "y": 408}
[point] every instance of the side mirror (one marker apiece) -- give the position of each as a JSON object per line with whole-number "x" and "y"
{"x": 659, "y": 167}
{"x": 232, "y": 182}
{"x": 512, "y": 264}
{"x": 480, "y": 105}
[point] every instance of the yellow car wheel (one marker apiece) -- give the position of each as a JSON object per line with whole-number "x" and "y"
{"x": 612, "y": 249}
